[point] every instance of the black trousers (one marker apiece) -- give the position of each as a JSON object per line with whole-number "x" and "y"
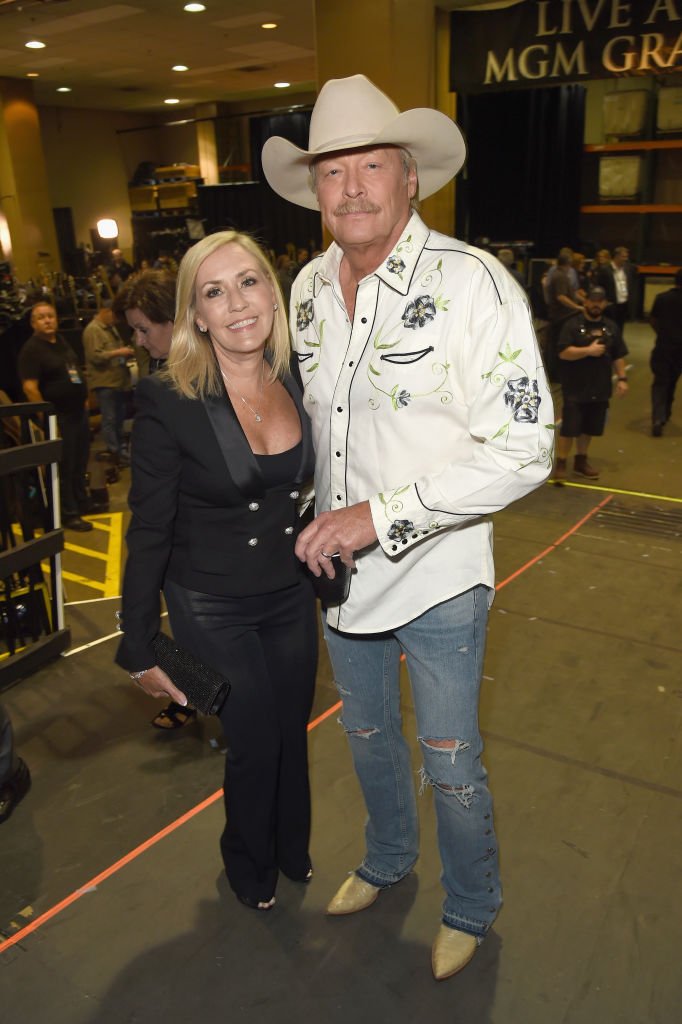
{"x": 267, "y": 647}
{"x": 8, "y": 757}
{"x": 666, "y": 366}
{"x": 75, "y": 434}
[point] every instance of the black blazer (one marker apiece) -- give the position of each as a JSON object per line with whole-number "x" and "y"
{"x": 202, "y": 515}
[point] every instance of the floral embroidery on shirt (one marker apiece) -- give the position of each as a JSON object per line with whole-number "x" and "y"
{"x": 419, "y": 313}
{"x": 521, "y": 394}
{"x": 395, "y": 265}
{"x": 399, "y": 528}
{"x": 523, "y": 397}
{"x": 314, "y": 333}
{"x": 304, "y": 314}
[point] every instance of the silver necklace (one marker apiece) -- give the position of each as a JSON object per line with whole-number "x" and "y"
{"x": 254, "y": 412}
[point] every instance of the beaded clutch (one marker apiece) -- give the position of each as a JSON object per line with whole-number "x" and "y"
{"x": 204, "y": 688}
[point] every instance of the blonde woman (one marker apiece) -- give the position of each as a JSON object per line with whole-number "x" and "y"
{"x": 221, "y": 447}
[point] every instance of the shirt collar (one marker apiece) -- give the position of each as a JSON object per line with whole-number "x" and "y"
{"x": 397, "y": 269}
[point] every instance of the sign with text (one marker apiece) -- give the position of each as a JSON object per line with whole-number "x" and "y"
{"x": 549, "y": 42}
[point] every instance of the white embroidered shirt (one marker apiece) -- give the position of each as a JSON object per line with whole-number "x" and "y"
{"x": 433, "y": 404}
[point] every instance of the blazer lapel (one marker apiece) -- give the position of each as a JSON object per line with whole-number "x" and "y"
{"x": 239, "y": 459}
{"x": 307, "y": 454}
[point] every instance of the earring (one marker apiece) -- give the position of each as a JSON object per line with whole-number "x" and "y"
{"x": 275, "y": 307}
{"x": 202, "y": 330}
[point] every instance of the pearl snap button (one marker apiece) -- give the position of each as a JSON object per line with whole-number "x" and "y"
{"x": 289, "y": 529}
{"x": 294, "y": 494}
{"x": 254, "y": 506}
{"x": 253, "y": 542}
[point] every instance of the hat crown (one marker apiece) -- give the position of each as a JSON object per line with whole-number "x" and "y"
{"x": 347, "y": 111}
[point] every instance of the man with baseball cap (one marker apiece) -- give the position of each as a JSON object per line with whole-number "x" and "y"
{"x": 590, "y": 348}
{"x": 430, "y": 411}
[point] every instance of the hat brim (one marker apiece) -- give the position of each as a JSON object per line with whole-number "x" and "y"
{"x": 431, "y": 137}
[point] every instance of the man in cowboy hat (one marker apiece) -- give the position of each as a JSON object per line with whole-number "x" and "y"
{"x": 430, "y": 410}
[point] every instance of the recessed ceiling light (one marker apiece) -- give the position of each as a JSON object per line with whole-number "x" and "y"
{"x": 64, "y": 88}
{"x": 35, "y": 44}
{"x": 269, "y": 24}
{"x": 32, "y": 74}
{"x": 179, "y": 67}
{"x": 282, "y": 85}
{"x": 171, "y": 101}
{"x": 194, "y": 8}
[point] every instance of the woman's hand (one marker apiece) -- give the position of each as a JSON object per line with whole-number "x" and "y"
{"x": 156, "y": 683}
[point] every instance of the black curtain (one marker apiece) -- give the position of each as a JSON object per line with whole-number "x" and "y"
{"x": 293, "y": 126}
{"x": 253, "y": 207}
{"x": 522, "y": 178}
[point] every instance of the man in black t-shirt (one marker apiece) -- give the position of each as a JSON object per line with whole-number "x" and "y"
{"x": 590, "y": 348}
{"x": 666, "y": 357}
{"x": 49, "y": 372}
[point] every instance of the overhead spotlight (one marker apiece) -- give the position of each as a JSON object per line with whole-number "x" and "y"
{"x": 35, "y": 44}
{"x": 269, "y": 24}
{"x": 171, "y": 101}
{"x": 179, "y": 67}
{"x": 282, "y": 85}
{"x": 194, "y": 8}
{"x": 32, "y": 74}
{"x": 64, "y": 88}
{"x": 107, "y": 228}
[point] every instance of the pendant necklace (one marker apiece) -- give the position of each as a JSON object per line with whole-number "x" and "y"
{"x": 256, "y": 415}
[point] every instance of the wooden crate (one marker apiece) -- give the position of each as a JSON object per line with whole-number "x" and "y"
{"x": 176, "y": 172}
{"x": 143, "y": 198}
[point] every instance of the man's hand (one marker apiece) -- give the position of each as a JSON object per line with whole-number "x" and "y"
{"x": 597, "y": 348}
{"x": 156, "y": 683}
{"x": 343, "y": 531}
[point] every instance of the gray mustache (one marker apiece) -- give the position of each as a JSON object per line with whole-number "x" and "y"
{"x": 357, "y": 207}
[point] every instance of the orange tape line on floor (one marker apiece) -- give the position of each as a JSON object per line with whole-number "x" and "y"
{"x": 133, "y": 854}
{"x": 560, "y": 540}
{"x": 108, "y": 872}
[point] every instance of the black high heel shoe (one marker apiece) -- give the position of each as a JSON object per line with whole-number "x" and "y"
{"x": 253, "y": 904}
{"x": 304, "y": 878}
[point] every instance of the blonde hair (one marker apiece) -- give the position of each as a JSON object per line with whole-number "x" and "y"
{"x": 192, "y": 366}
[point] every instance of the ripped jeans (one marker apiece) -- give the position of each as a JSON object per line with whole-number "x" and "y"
{"x": 444, "y": 650}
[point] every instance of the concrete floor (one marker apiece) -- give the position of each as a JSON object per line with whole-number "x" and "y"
{"x": 581, "y": 711}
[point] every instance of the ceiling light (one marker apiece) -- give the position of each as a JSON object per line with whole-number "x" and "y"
{"x": 269, "y": 24}
{"x": 107, "y": 228}
{"x": 171, "y": 101}
{"x": 194, "y": 8}
{"x": 35, "y": 44}
{"x": 179, "y": 67}
{"x": 282, "y": 85}
{"x": 64, "y": 88}
{"x": 32, "y": 74}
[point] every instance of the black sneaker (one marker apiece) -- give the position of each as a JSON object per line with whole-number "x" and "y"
{"x": 657, "y": 430}
{"x": 14, "y": 790}
{"x": 78, "y": 524}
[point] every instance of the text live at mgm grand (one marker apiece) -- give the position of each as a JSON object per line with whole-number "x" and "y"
{"x": 566, "y": 40}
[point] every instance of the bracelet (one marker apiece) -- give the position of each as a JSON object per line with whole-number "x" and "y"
{"x": 138, "y": 675}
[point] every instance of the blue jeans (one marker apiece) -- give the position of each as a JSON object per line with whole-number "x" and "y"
{"x": 444, "y": 653}
{"x": 112, "y": 405}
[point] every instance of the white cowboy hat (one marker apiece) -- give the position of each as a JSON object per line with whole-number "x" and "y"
{"x": 351, "y": 113}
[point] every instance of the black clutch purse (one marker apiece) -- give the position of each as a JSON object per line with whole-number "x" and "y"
{"x": 331, "y": 592}
{"x": 204, "y": 688}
